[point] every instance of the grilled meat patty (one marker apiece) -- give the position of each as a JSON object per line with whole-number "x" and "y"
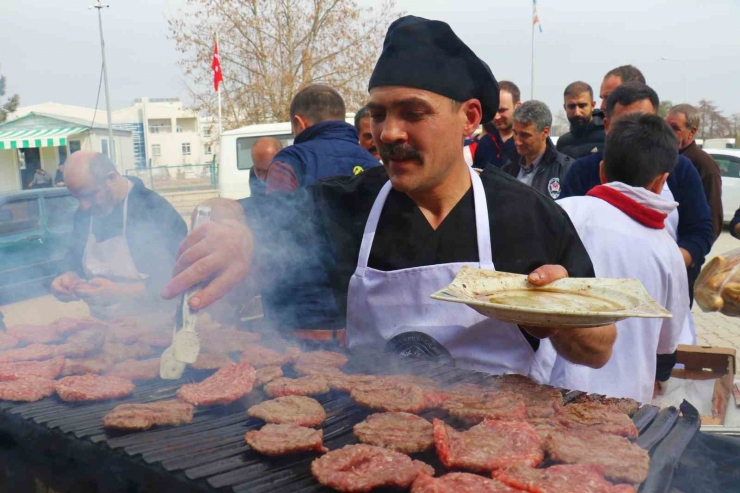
{"x": 135, "y": 369}
{"x": 504, "y": 406}
{"x": 389, "y": 397}
{"x": 402, "y": 432}
{"x": 361, "y": 468}
{"x": 295, "y": 409}
{"x": 93, "y": 388}
{"x": 622, "y": 404}
{"x": 212, "y": 361}
{"x": 322, "y": 358}
{"x": 26, "y": 389}
{"x": 598, "y": 417}
{"x": 49, "y": 369}
{"x": 227, "y": 385}
{"x": 297, "y": 386}
{"x": 268, "y": 373}
{"x": 559, "y": 479}
{"x": 488, "y": 446}
{"x": 144, "y": 416}
{"x": 459, "y": 482}
{"x": 260, "y": 356}
{"x": 286, "y": 439}
{"x": 620, "y": 459}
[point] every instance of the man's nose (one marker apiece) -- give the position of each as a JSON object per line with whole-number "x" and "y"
{"x": 392, "y": 131}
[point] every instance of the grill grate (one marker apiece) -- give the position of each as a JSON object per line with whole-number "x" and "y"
{"x": 210, "y": 453}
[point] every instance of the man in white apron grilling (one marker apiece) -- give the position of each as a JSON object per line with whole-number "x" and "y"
{"x": 124, "y": 240}
{"x": 393, "y": 235}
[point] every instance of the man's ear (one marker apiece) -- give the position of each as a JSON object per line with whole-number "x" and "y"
{"x": 602, "y": 173}
{"x": 473, "y": 116}
{"x": 606, "y": 124}
{"x": 301, "y": 122}
{"x": 593, "y": 105}
{"x": 111, "y": 176}
{"x": 546, "y": 132}
{"x": 518, "y": 104}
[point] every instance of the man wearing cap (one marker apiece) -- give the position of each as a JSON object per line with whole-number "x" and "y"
{"x": 393, "y": 235}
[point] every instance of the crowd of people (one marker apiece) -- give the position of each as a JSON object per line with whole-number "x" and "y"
{"x": 351, "y": 228}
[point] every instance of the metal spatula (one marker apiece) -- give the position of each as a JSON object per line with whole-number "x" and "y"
{"x": 185, "y": 341}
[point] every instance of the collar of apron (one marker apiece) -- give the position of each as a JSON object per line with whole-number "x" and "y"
{"x": 637, "y": 211}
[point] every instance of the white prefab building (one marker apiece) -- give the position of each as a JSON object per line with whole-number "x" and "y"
{"x": 163, "y": 132}
{"x": 44, "y": 141}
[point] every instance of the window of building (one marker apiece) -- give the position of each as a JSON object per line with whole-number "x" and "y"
{"x": 62, "y": 154}
{"x": 178, "y": 129}
{"x": 156, "y": 150}
{"x": 186, "y": 148}
{"x": 74, "y": 146}
{"x": 207, "y": 150}
{"x": 104, "y": 146}
{"x": 206, "y": 132}
{"x": 160, "y": 126}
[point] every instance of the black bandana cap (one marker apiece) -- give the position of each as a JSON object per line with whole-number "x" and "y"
{"x": 428, "y": 55}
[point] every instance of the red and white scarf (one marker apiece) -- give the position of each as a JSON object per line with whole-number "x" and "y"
{"x": 640, "y": 204}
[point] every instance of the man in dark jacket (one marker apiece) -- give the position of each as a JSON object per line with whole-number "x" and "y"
{"x": 124, "y": 240}
{"x": 684, "y": 119}
{"x": 586, "y": 134}
{"x": 325, "y": 145}
{"x": 539, "y": 165}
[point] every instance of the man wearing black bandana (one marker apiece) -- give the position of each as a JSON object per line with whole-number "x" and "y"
{"x": 390, "y": 237}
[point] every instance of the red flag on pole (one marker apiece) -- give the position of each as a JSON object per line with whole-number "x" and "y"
{"x": 218, "y": 76}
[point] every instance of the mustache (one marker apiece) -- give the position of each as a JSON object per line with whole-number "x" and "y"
{"x": 399, "y": 152}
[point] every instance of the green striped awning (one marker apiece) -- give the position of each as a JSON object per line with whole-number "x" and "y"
{"x": 45, "y": 137}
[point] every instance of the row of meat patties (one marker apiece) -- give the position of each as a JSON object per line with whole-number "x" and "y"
{"x": 504, "y": 429}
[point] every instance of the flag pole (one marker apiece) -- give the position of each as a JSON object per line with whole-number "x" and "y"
{"x": 220, "y": 125}
{"x": 534, "y": 15}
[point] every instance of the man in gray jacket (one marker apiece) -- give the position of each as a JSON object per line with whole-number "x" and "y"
{"x": 539, "y": 165}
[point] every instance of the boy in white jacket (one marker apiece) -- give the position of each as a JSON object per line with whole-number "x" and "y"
{"x": 622, "y": 225}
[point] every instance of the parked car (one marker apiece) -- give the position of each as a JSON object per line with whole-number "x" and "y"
{"x": 35, "y": 234}
{"x": 729, "y": 164}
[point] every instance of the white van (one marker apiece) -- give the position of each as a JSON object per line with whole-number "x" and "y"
{"x": 235, "y": 159}
{"x": 719, "y": 144}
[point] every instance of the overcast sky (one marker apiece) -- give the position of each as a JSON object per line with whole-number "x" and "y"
{"x": 50, "y": 49}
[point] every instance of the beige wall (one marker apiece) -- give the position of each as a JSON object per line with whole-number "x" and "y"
{"x": 9, "y": 173}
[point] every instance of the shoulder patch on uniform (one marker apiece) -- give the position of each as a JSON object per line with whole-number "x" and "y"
{"x": 357, "y": 170}
{"x": 594, "y": 150}
{"x": 553, "y": 187}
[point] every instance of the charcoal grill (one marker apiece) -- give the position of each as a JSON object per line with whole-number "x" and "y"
{"x": 65, "y": 447}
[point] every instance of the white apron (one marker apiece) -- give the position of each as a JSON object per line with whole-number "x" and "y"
{"x": 393, "y": 310}
{"x": 110, "y": 259}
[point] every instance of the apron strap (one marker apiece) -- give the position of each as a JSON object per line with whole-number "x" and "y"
{"x": 370, "y": 227}
{"x": 481, "y": 224}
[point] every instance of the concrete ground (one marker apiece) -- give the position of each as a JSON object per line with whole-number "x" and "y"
{"x": 716, "y": 329}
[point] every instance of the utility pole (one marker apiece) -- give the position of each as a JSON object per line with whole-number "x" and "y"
{"x": 100, "y": 6}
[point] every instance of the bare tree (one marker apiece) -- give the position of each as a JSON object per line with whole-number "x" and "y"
{"x": 665, "y": 107}
{"x": 10, "y": 105}
{"x": 270, "y": 49}
{"x": 561, "y": 125}
{"x": 713, "y": 123}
